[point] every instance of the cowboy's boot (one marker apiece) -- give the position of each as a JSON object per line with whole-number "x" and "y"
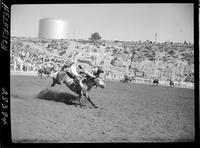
{"x": 78, "y": 81}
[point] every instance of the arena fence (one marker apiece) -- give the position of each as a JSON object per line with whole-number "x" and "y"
{"x": 22, "y": 67}
{"x": 137, "y": 80}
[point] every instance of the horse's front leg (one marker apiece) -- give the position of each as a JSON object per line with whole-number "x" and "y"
{"x": 88, "y": 98}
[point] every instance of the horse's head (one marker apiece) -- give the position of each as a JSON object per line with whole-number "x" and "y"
{"x": 96, "y": 81}
{"x": 99, "y": 82}
{"x": 98, "y": 72}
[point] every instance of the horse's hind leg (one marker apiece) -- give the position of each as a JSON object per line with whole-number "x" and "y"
{"x": 80, "y": 96}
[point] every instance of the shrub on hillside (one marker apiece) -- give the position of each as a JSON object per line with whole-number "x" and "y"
{"x": 148, "y": 48}
{"x": 166, "y": 48}
{"x": 64, "y": 46}
{"x": 126, "y": 51}
{"x": 188, "y": 57}
{"x": 171, "y": 52}
{"x": 62, "y": 52}
{"x": 95, "y": 36}
{"x": 95, "y": 50}
{"x": 43, "y": 41}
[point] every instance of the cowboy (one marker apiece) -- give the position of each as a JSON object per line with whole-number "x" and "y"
{"x": 73, "y": 71}
{"x": 126, "y": 76}
{"x": 84, "y": 71}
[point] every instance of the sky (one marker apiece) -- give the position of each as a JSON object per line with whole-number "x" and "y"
{"x": 124, "y": 22}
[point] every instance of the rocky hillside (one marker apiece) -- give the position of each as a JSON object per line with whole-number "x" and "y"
{"x": 164, "y": 60}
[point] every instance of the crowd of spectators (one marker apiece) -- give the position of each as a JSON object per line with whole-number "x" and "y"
{"x": 24, "y": 58}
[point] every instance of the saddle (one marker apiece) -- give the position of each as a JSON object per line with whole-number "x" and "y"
{"x": 74, "y": 78}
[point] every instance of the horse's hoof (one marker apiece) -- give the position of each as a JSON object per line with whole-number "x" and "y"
{"x": 95, "y": 106}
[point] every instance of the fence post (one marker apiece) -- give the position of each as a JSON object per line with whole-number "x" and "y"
{"x": 14, "y": 65}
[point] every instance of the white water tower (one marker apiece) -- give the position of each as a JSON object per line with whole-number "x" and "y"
{"x": 51, "y": 28}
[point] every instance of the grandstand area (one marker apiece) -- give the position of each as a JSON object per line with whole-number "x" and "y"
{"x": 163, "y": 60}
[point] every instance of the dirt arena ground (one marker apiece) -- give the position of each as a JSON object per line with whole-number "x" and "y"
{"x": 126, "y": 113}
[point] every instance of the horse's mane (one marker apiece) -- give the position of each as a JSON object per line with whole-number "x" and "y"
{"x": 99, "y": 71}
{"x": 87, "y": 79}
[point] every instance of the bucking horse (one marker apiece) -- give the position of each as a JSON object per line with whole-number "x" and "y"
{"x": 171, "y": 83}
{"x": 64, "y": 77}
{"x": 156, "y": 81}
{"x": 127, "y": 79}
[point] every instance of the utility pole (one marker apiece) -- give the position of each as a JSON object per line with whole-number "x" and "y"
{"x": 156, "y": 37}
